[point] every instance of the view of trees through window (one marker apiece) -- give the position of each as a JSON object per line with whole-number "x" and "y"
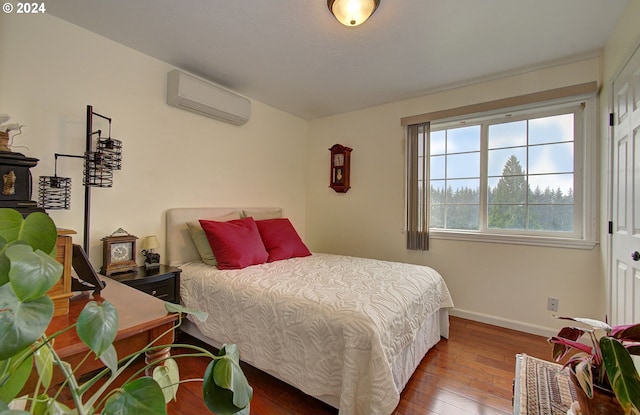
{"x": 527, "y": 184}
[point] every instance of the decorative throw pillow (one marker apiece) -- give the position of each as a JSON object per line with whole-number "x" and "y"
{"x": 262, "y": 214}
{"x": 236, "y": 244}
{"x": 281, "y": 239}
{"x": 200, "y": 239}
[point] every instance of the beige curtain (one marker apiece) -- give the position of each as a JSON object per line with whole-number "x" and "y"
{"x": 418, "y": 187}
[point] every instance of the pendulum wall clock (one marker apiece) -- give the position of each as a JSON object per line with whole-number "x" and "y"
{"x": 340, "y": 168}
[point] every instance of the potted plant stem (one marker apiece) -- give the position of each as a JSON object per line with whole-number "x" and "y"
{"x": 28, "y": 269}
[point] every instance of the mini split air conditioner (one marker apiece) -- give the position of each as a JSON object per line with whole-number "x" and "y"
{"x": 204, "y": 98}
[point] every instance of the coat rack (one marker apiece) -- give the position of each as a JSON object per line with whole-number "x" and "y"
{"x": 54, "y": 192}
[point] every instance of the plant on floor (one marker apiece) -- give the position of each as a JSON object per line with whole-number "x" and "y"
{"x": 607, "y": 362}
{"x": 28, "y": 270}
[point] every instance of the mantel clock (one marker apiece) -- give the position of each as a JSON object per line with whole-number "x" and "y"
{"x": 340, "y": 168}
{"x": 119, "y": 253}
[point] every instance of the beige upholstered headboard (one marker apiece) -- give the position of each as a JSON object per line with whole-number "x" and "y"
{"x": 180, "y": 247}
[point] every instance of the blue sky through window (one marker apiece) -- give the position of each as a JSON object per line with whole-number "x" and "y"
{"x": 548, "y": 158}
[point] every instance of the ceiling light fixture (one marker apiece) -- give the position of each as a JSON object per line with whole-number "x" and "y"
{"x": 352, "y": 12}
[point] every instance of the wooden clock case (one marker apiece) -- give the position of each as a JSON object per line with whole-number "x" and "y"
{"x": 340, "y": 180}
{"x": 119, "y": 254}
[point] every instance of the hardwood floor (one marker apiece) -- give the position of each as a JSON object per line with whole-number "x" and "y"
{"x": 471, "y": 373}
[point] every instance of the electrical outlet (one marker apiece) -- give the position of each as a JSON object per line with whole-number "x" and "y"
{"x": 552, "y": 304}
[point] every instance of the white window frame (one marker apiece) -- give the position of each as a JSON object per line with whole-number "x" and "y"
{"x": 585, "y": 185}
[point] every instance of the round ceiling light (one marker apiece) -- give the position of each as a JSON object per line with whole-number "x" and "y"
{"x": 352, "y": 12}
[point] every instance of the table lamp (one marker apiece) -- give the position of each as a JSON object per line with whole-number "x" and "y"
{"x": 151, "y": 259}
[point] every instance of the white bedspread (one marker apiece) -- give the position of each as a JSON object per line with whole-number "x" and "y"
{"x": 331, "y": 324}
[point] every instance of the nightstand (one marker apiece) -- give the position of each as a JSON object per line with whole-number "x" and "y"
{"x": 162, "y": 282}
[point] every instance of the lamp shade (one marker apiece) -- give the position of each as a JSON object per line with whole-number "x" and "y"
{"x": 150, "y": 242}
{"x": 352, "y": 12}
{"x": 97, "y": 169}
{"x": 113, "y": 149}
{"x": 54, "y": 192}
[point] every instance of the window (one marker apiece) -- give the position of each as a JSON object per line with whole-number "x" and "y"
{"x": 509, "y": 176}
{"x": 454, "y": 170}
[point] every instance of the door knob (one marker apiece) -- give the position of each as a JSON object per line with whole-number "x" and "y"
{"x": 635, "y": 255}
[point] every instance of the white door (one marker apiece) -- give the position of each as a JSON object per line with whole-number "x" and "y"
{"x": 625, "y": 256}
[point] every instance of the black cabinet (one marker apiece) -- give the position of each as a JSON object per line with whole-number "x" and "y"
{"x": 162, "y": 282}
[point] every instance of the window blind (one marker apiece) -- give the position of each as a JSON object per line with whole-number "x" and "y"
{"x": 417, "y": 187}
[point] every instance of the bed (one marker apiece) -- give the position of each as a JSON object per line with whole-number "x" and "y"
{"x": 348, "y": 331}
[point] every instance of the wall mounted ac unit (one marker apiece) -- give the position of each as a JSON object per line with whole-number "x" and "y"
{"x": 204, "y": 98}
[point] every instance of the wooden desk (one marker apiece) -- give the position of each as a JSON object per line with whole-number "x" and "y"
{"x": 142, "y": 318}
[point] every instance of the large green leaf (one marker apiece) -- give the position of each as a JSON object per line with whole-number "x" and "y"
{"x": 32, "y": 273}
{"x": 143, "y": 396}
{"x": 10, "y": 224}
{"x": 21, "y": 322}
{"x": 44, "y": 365}
{"x": 167, "y": 375}
{"x": 231, "y": 351}
{"x": 17, "y": 375}
{"x": 5, "y": 265}
{"x": 110, "y": 359}
{"x": 177, "y": 308}
{"x": 622, "y": 374}
{"x": 219, "y": 400}
{"x": 225, "y": 389}
{"x": 228, "y": 374}
{"x": 38, "y": 229}
{"x": 98, "y": 325}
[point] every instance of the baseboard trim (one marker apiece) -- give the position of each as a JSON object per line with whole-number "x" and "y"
{"x": 503, "y": 322}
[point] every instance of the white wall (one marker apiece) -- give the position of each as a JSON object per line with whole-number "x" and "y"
{"x": 621, "y": 45}
{"x": 498, "y": 283}
{"x": 51, "y": 70}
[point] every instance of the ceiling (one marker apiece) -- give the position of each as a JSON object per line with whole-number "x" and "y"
{"x": 294, "y": 56}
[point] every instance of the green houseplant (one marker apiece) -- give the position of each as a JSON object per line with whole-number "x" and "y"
{"x": 28, "y": 269}
{"x": 604, "y": 364}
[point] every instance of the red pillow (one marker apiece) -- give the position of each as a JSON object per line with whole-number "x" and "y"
{"x": 236, "y": 244}
{"x": 281, "y": 239}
